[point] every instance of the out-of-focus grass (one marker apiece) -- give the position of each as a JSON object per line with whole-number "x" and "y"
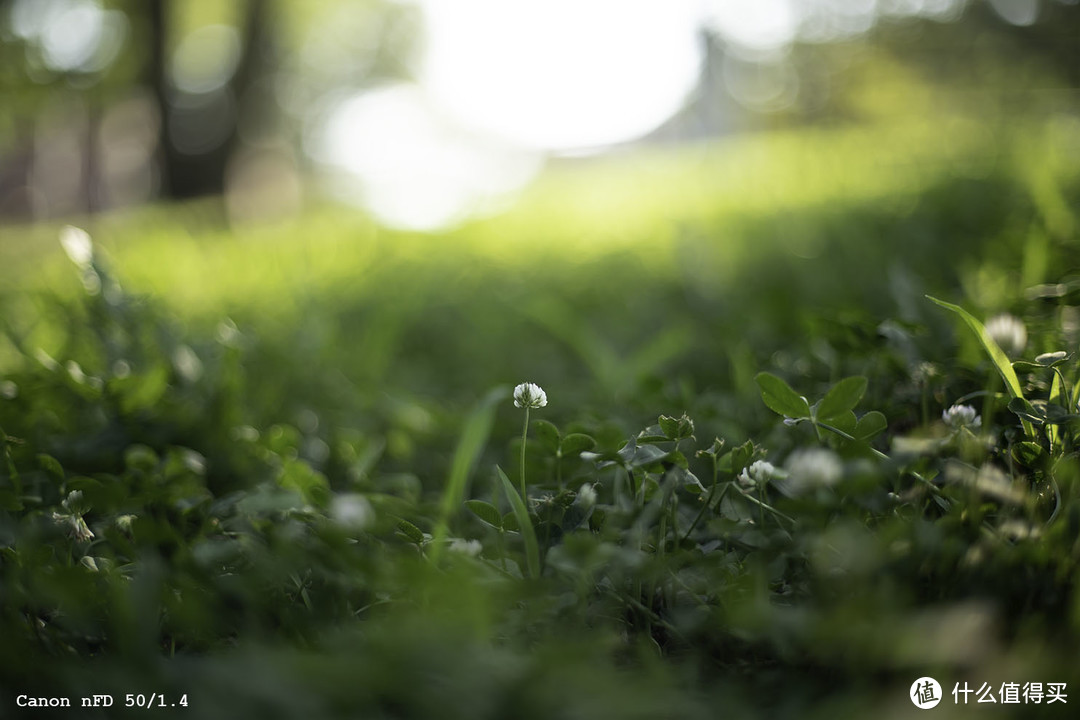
{"x": 612, "y": 270}
{"x": 632, "y": 201}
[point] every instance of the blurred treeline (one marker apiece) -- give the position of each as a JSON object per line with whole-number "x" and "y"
{"x": 112, "y": 103}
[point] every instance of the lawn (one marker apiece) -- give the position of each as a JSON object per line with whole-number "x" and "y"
{"x": 279, "y": 471}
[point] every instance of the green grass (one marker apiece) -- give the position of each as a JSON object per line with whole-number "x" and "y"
{"x": 286, "y": 443}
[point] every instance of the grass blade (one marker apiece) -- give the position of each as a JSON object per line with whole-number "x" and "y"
{"x": 1058, "y": 396}
{"x": 997, "y": 355}
{"x": 521, "y": 514}
{"x": 470, "y": 445}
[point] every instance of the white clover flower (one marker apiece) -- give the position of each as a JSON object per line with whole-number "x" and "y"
{"x": 529, "y": 395}
{"x": 586, "y": 496}
{"x": 8, "y": 390}
{"x": 961, "y": 416}
{"x": 759, "y": 473}
{"x": 923, "y": 372}
{"x": 471, "y": 548}
{"x": 351, "y": 511}
{"x": 76, "y": 527}
{"x": 1008, "y": 332}
{"x": 73, "y": 503}
{"x": 811, "y": 468}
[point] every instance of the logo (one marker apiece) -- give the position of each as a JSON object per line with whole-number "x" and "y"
{"x": 925, "y": 693}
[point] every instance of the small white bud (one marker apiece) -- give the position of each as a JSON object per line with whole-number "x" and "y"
{"x": 758, "y": 474}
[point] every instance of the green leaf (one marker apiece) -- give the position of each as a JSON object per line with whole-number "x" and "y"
{"x": 470, "y": 445}
{"x": 548, "y": 435}
{"x": 1026, "y": 411}
{"x": 645, "y": 456}
{"x": 734, "y": 460}
{"x": 870, "y": 425}
{"x": 487, "y": 512}
{"x": 1059, "y": 398}
{"x": 842, "y": 397}
{"x": 411, "y": 532}
{"x": 845, "y": 422}
{"x": 510, "y": 522}
{"x": 678, "y": 459}
{"x": 733, "y": 507}
{"x": 1029, "y": 454}
{"x": 669, "y": 426}
{"x": 676, "y": 428}
{"x": 713, "y": 450}
{"x": 780, "y": 398}
{"x": 652, "y": 434}
{"x": 576, "y": 443}
{"x": 687, "y": 479}
{"x": 997, "y": 355}
{"x": 51, "y": 466}
{"x": 1057, "y": 415}
{"x": 1052, "y": 359}
{"x": 521, "y": 514}
{"x": 576, "y": 514}
{"x": 141, "y": 392}
{"x": 310, "y": 483}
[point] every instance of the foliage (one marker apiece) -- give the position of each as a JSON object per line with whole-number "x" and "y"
{"x": 740, "y": 495}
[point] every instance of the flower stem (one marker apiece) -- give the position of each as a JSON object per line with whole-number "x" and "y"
{"x": 524, "y": 436}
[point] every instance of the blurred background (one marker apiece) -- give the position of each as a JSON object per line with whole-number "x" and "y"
{"x": 429, "y": 113}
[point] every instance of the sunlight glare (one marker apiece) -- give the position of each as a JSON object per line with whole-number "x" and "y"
{"x": 561, "y": 75}
{"x": 411, "y": 168}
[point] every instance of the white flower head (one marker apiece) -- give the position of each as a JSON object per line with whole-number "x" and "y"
{"x": 1008, "y": 332}
{"x": 73, "y": 523}
{"x": 759, "y": 473}
{"x": 923, "y": 372}
{"x": 529, "y": 395}
{"x": 586, "y": 496}
{"x": 74, "y": 504}
{"x": 811, "y": 468}
{"x": 351, "y": 511}
{"x": 471, "y": 548}
{"x": 961, "y": 416}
